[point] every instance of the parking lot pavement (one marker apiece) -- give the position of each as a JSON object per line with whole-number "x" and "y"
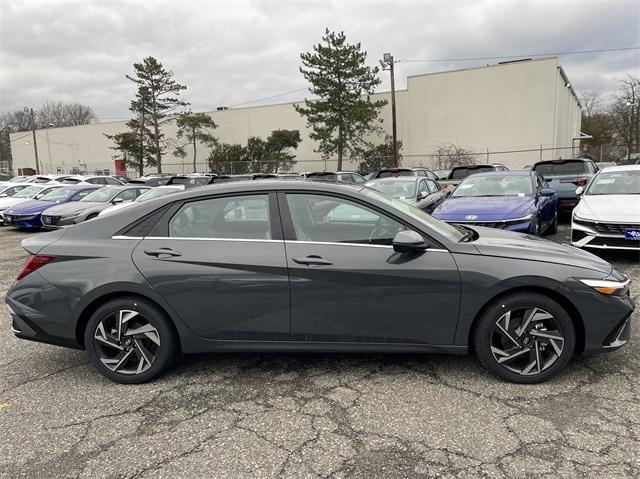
{"x": 286, "y": 415}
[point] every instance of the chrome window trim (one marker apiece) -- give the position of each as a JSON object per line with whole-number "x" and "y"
{"x": 358, "y": 244}
{"x": 190, "y": 238}
{"x": 124, "y": 237}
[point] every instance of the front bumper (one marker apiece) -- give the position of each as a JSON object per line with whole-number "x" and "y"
{"x": 602, "y": 235}
{"x": 23, "y": 221}
{"x": 52, "y": 222}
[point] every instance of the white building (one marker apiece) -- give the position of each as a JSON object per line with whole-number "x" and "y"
{"x": 512, "y": 113}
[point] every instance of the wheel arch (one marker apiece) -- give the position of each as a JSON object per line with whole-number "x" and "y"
{"x": 562, "y": 300}
{"x": 94, "y": 304}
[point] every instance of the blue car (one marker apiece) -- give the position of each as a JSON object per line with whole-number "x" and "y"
{"x": 27, "y": 215}
{"x": 511, "y": 200}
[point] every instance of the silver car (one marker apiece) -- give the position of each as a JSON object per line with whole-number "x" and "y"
{"x": 90, "y": 206}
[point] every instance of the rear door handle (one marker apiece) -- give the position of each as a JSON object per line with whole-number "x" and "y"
{"x": 162, "y": 252}
{"x": 312, "y": 260}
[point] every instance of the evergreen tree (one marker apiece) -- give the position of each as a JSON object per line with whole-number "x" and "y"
{"x": 279, "y": 145}
{"x": 195, "y": 128}
{"x": 344, "y": 115}
{"x": 378, "y": 157}
{"x": 159, "y": 94}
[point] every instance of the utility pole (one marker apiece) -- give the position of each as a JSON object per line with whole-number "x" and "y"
{"x": 33, "y": 131}
{"x": 387, "y": 63}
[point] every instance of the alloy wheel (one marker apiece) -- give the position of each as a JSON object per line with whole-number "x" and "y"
{"x": 126, "y": 342}
{"x": 527, "y": 341}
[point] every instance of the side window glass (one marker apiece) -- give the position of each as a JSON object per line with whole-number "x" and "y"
{"x": 80, "y": 195}
{"x": 423, "y": 187}
{"x": 329, "y": 219}
{"x": 346, "y": 178}
{"x": 239, "y": 217}
{"x": 127, "y": 195}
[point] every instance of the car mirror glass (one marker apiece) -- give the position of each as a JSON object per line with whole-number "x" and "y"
{"x": 579, "y": 190}
{"x": 408, "y": 240}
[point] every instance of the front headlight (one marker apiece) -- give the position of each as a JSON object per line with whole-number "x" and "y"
{"x": 609, "y": 287}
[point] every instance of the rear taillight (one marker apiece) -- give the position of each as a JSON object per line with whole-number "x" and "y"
{"x": 577, "y": 181}
{"x": 34, "y": 262}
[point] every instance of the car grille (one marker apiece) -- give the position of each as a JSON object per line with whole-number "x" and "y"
{"x": 608, "y": 228}
{"x": 50, "y": 220}
{"x": 19, "y": 217}
{"x": 492, "y": 224}
{"x": 614, "y": 242}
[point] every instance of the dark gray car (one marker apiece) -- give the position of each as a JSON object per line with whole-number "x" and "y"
{"x": 90, "y": 206}
{"x": 311, "y": 266}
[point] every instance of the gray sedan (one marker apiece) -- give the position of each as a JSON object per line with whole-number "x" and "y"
{"x": 90, "y": 206}
{"x": 423, "y": 193}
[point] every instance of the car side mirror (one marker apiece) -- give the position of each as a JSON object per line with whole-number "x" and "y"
{"x": 38, "y": 196}
{"x": 547, "y": 192}
{"x": 407, "y": 241}
{"x": 422, "y": 195}
{"x": 579, "y": 190}
{"x": 116, "y": 201}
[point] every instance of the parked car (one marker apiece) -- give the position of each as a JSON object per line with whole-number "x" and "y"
{"x": 93, "y": 180}
{"x": 31, "y": 192}
{"x": 336, "y": 177}
{"x": 512, "y": 200}
{"x": 191, "y": 180}
{"x": 151, "y": 194}
{"x": 27, "y": 215}
{"x": 90, "y": 206}
{"x": 459, "y": 173}
{"x": 423, "y": 193}
{"x": 442, "y": 174}
{"x": 608, "y": 213}
{"x": 151, "y": 181}
{"x": 394, "y": 172}
{"x": 565, "y": 176}
{"x": 257, "y": 273}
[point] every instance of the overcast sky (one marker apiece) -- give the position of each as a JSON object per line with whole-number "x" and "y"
{"x": 231, "y": 53}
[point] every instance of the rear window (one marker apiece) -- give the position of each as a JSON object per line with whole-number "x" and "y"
{"x": 567, "y": 167}
{"x": 389, "y": 174}
{"x": 461, "y": 173}
{"x": 323, "y": 176}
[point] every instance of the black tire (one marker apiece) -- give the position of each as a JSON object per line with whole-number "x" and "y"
{"x": 487, "y": 331}
{"x": 553, "y": 227}
{"x": 537, "y": 230}
{"x": 164, "y": 354}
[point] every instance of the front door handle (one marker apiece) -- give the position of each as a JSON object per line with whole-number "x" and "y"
{"x": 313, "y": 260}
{"x": 162, "y": 252}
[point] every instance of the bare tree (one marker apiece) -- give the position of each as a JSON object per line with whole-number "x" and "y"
{"x": 63, "y": 114}
{"x": 449, "y": 155}
{"x": 591, "y": 101}
{"x": 624, "y": 114}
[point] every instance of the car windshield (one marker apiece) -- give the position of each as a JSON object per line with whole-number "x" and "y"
{"x": 446, "y": 230}
{"x": 59, "y": 194}
{"x": 102, "y": 195}
{"x": 155, "y": 193}
{"x": 398, "y": 189}
{"x": 561, "y": 167}
{"x": 616, "y": 183}
{"x": 29, "y": 192}
{"x": 498, "y": 185}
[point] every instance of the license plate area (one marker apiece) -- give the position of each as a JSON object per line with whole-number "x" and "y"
{"x": 632, "y": 234}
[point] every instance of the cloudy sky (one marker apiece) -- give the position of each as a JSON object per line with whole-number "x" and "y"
{"x": 242, "y": 52}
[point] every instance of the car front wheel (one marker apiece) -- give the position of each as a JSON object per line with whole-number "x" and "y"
{"x": 525, "y": 338}
{"x": 130, "y": 340}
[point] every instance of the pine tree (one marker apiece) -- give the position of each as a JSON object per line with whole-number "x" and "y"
{"x": 195, "y": 128}
{"x": 344, "y": 114}
{"x": 159, "y": 93}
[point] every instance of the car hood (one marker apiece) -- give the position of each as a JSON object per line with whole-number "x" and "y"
{"x": 76, "y": 207}
{"x": 487, "y": 208}
{"x": 30, "y": 207}
{"x": 609, "y": 208}
{"x": 507, "y": 244}
{"x": 8, "y": 202}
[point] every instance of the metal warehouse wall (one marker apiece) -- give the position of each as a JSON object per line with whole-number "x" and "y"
{"x": 495, "y": 109}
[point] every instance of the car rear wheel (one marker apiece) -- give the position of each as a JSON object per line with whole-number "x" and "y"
{"x": 553, "y": 228}
{"x": 525, "y": 338}
{"x": 130, "y": 340}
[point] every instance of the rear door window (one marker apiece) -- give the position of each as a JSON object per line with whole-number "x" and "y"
{"x": 561, "y": 167}
{"x": 237, "y": 217}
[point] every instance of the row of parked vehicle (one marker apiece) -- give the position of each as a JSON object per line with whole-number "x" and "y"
{"x": 604, "y": 203}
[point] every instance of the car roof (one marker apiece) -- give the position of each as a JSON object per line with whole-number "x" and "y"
{"x": 87, "y": 186}
{"x": 393, "y": 179}
{"x": 504, "y": 173}
{"x": 621, "y": 168}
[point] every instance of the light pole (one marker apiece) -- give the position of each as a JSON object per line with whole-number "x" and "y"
{"x": 33, "y": 131}
{"x": 387, "y": 63}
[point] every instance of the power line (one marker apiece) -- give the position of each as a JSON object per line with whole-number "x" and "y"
{"x": 528, "y": 55}
{"x": 269, "y": 97}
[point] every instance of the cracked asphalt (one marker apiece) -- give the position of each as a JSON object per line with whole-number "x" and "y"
{"x": 308, "y": 416}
